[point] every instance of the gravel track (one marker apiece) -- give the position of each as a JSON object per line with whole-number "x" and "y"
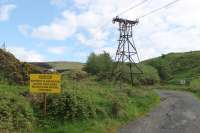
{"x": 178, "y": 112}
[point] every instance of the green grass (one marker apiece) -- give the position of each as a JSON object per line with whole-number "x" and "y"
{"x": 14, "y": 88}
{"x": 139, "y": 101}
{"x": 170, "y": 87}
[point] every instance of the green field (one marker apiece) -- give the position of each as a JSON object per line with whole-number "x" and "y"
{"x": 62, "y": 65}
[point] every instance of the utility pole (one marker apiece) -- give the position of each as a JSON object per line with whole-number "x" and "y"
{"x": 4, "y": 46}
{"x": 126, "y": 53}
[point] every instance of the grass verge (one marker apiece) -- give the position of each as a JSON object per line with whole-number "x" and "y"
{"x": 114, "y": 107}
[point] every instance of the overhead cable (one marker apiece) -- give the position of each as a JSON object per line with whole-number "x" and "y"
{"x": 132, "y": 7}
{"x": 158, "y": 9}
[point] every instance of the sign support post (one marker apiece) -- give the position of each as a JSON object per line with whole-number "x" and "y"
{"x": 45, "y": 104}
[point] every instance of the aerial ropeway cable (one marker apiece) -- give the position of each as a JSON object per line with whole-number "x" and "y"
{"x": 132, "y": 7}
{"x": 151, "y": 12}
{"x": 158, "y": 9}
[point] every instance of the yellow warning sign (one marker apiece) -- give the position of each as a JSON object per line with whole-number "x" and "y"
{"x": 45, "y": 83}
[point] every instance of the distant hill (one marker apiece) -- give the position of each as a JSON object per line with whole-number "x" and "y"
{"x": 177, "y": 66}
{"x": 13, "y": 71}
{"x": 60, "y": 65}
{"x": 43, "y": 65}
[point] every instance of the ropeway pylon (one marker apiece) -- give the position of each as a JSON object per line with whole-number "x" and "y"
{"x": 126, "y": 53}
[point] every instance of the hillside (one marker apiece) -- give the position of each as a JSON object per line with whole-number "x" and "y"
{"x": 43, "y": 65}
{"x": 60, "y": 65}
{"x": 14, "y": 71}
{"x": 177, "y": 66}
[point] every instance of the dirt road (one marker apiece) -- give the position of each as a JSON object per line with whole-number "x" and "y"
{"x": 178, "y": 112}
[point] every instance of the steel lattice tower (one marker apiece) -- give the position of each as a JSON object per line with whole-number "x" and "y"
{"x": 126, "y": 53}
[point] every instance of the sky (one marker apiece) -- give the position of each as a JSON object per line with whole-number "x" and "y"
{"x": 69, "y": 30}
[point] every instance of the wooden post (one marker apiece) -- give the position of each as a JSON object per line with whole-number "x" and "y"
{"x": 45, "y": 104}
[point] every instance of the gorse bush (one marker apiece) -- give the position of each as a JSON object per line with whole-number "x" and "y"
{"x": 16, "y": 115}
{"x": 70, "y": 106}
{"x": 13, "y": 71}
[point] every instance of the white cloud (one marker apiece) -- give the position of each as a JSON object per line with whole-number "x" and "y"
{"x": 81, "y": 38}
{"x": 56, "y": 50}
{"x": 171, "y": 29}
{"x": 59, "y": 29}
{"x": 26, "y": 55}
{"x": 95, "y": 40}
{"x": 5, "y": 11}
{"x": 67, "y": 25}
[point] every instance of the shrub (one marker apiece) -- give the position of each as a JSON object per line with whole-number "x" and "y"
{"x": 195, "y": 84}
{"x": 75, "y": 75}
{"x": 122, "y": 72}
{"x": 129, "y": 92}
{"x": 102, "y": 76}
{"x": 117, "y": 110}
{"x": 100, "y": 111}
{"x": 150, "y": 75}
{"x": 16, "y": 115}
{"x": 70, "y": 106}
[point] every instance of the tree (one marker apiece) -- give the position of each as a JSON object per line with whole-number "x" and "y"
{"x": 96, "y": 64}
{"x": 164, "y": 70}
{"x": 91, "y": 64}
{"x": 104, "y": 62}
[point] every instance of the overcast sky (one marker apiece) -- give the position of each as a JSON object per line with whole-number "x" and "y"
{"x": 69, "y": 30}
